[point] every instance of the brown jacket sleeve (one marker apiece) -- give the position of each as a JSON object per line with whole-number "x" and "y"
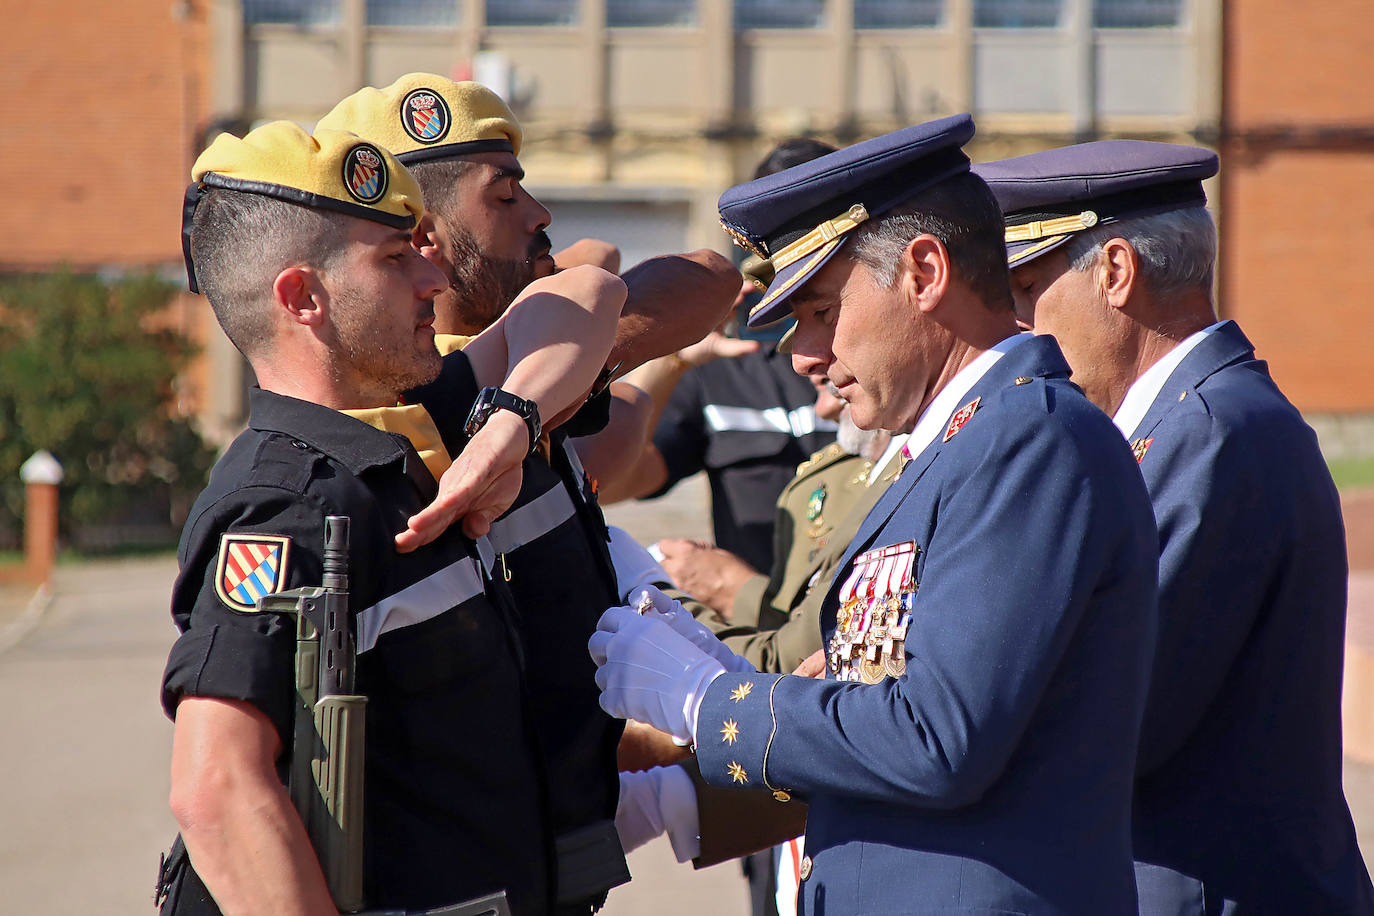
{"x": 736, "y": 822}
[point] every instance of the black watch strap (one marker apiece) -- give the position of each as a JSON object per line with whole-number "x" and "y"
{"x": 491, "y": 399}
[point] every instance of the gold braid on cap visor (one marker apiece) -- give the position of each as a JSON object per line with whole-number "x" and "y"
{"x": 1047, "y": 232}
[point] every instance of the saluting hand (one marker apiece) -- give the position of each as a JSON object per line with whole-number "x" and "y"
{"x": 478, "y": 487}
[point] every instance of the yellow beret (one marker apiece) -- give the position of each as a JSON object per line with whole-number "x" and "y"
{"x": 332, "y": 170}
{"x": 423, "y": 117}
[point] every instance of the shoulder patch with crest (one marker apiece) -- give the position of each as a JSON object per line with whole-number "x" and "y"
{"x": 249, "y": 567}
{"x": 961, "y": 416}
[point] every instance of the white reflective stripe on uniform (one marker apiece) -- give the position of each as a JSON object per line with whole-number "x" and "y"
{"x": 797, "y": 422}
{"x": 535, "y": 518}
{"x": 421, "y": 601}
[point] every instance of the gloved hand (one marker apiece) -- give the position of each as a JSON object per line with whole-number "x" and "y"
{"x": 646, "y": 671}
{"x": 634, "y": 565}
{"x": 688, "y": 626}
{"x": 654, "y": 801}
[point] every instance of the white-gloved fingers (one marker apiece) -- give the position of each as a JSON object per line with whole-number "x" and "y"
{"x": 616, "y": 618}
{"x": 652, "y": 674}
{"x": 677, "y": 805}
{"x": 634, "y": 565}
{"x": 596, "y": 646}
{"x": 684, "y": 624}
{"x": 638, "y": 818}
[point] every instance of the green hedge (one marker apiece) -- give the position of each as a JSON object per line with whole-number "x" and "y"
{"x": 86, "y": 373}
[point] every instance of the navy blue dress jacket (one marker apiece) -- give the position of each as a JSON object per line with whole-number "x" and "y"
{"x": 993, "y": 774}
{"x": 1239, "y": 806}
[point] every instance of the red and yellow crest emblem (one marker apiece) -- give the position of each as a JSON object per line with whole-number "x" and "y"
{"x": 249, "y": 567}
{"x": 364, "y": 174}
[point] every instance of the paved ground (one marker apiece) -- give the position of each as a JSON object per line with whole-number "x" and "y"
{"x": 83, "y": 760}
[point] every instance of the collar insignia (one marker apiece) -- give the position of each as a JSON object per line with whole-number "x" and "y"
{"x": 961, "y": 416}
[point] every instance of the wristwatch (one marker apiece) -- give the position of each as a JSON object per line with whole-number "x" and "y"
{"x": 492, "y": 399}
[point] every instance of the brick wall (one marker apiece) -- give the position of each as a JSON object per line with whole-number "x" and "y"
{"x": 99, "y": 112}
{"x": 1297, "y": 198}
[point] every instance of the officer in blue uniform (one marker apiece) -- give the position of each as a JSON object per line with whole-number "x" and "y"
{"x": 455, "y": 788}
{"x": 989, "y": 630}
{"x": 1238, "y": 804}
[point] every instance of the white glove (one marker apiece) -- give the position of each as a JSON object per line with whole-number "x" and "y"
{"x": 652, "y": 801}
{"x": 634, "y": 565}
{"x": 684, "y": 624}
{"x": 646, "y": 671}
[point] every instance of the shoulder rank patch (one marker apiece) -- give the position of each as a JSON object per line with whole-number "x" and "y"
{"x": 249, "y": 567}
{"x": 961, "y": 416}
{"x": 1139, "y": 447}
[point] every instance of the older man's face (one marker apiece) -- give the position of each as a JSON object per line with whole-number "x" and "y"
{"x": 874, "y": 345}
{"x": 1055, "y": 300}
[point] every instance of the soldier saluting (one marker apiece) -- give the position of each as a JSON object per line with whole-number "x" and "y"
{"x": 303, "y": 246}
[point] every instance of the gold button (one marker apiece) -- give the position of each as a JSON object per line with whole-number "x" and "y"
{"x": 781, "y": 795}
{"x": 805, "y": 867}
{"x": 1023, "y": 380}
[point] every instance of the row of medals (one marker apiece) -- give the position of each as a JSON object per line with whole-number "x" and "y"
{"x": 878, "y": 650}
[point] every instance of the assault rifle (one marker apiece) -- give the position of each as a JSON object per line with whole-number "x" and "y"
{"x": 326, "y": 781}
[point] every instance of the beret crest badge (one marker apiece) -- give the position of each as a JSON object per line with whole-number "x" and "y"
{"x": 425, "y": 116}
{"x": 364, "y": 174}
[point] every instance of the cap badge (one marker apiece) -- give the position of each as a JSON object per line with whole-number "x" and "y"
{"x": 425, "y": 116}
{"x": 961, "y": 416}
{"x": 365, "y": 174}
{"x": 250, "y": 566}
{"x": 1139, "y": 447}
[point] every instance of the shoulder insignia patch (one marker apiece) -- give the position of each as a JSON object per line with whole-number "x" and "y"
{"x": 961, "y": 416}
{"x": 249, "y": 567}
{"x": 1139, "y": 447}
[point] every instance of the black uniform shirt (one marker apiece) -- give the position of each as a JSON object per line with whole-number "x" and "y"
{"x": 454, "y": 805}
{"x": 552, "y": 552}
{"x": 748, "y": 422}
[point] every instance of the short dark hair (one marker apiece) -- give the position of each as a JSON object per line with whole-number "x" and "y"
{"x": 792, "y": 152}
{"x": 963, "y": 214}
{"x": 241, "y": 241}
{"x": 438, "y": 178}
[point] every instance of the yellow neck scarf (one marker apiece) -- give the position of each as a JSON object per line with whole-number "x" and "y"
{"x": 415, "y": 423}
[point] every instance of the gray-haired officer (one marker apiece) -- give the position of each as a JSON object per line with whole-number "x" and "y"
{"x": 1238, "y": 804}
{"x": 971, "y": 747}
{"x": 303, "y": 246}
